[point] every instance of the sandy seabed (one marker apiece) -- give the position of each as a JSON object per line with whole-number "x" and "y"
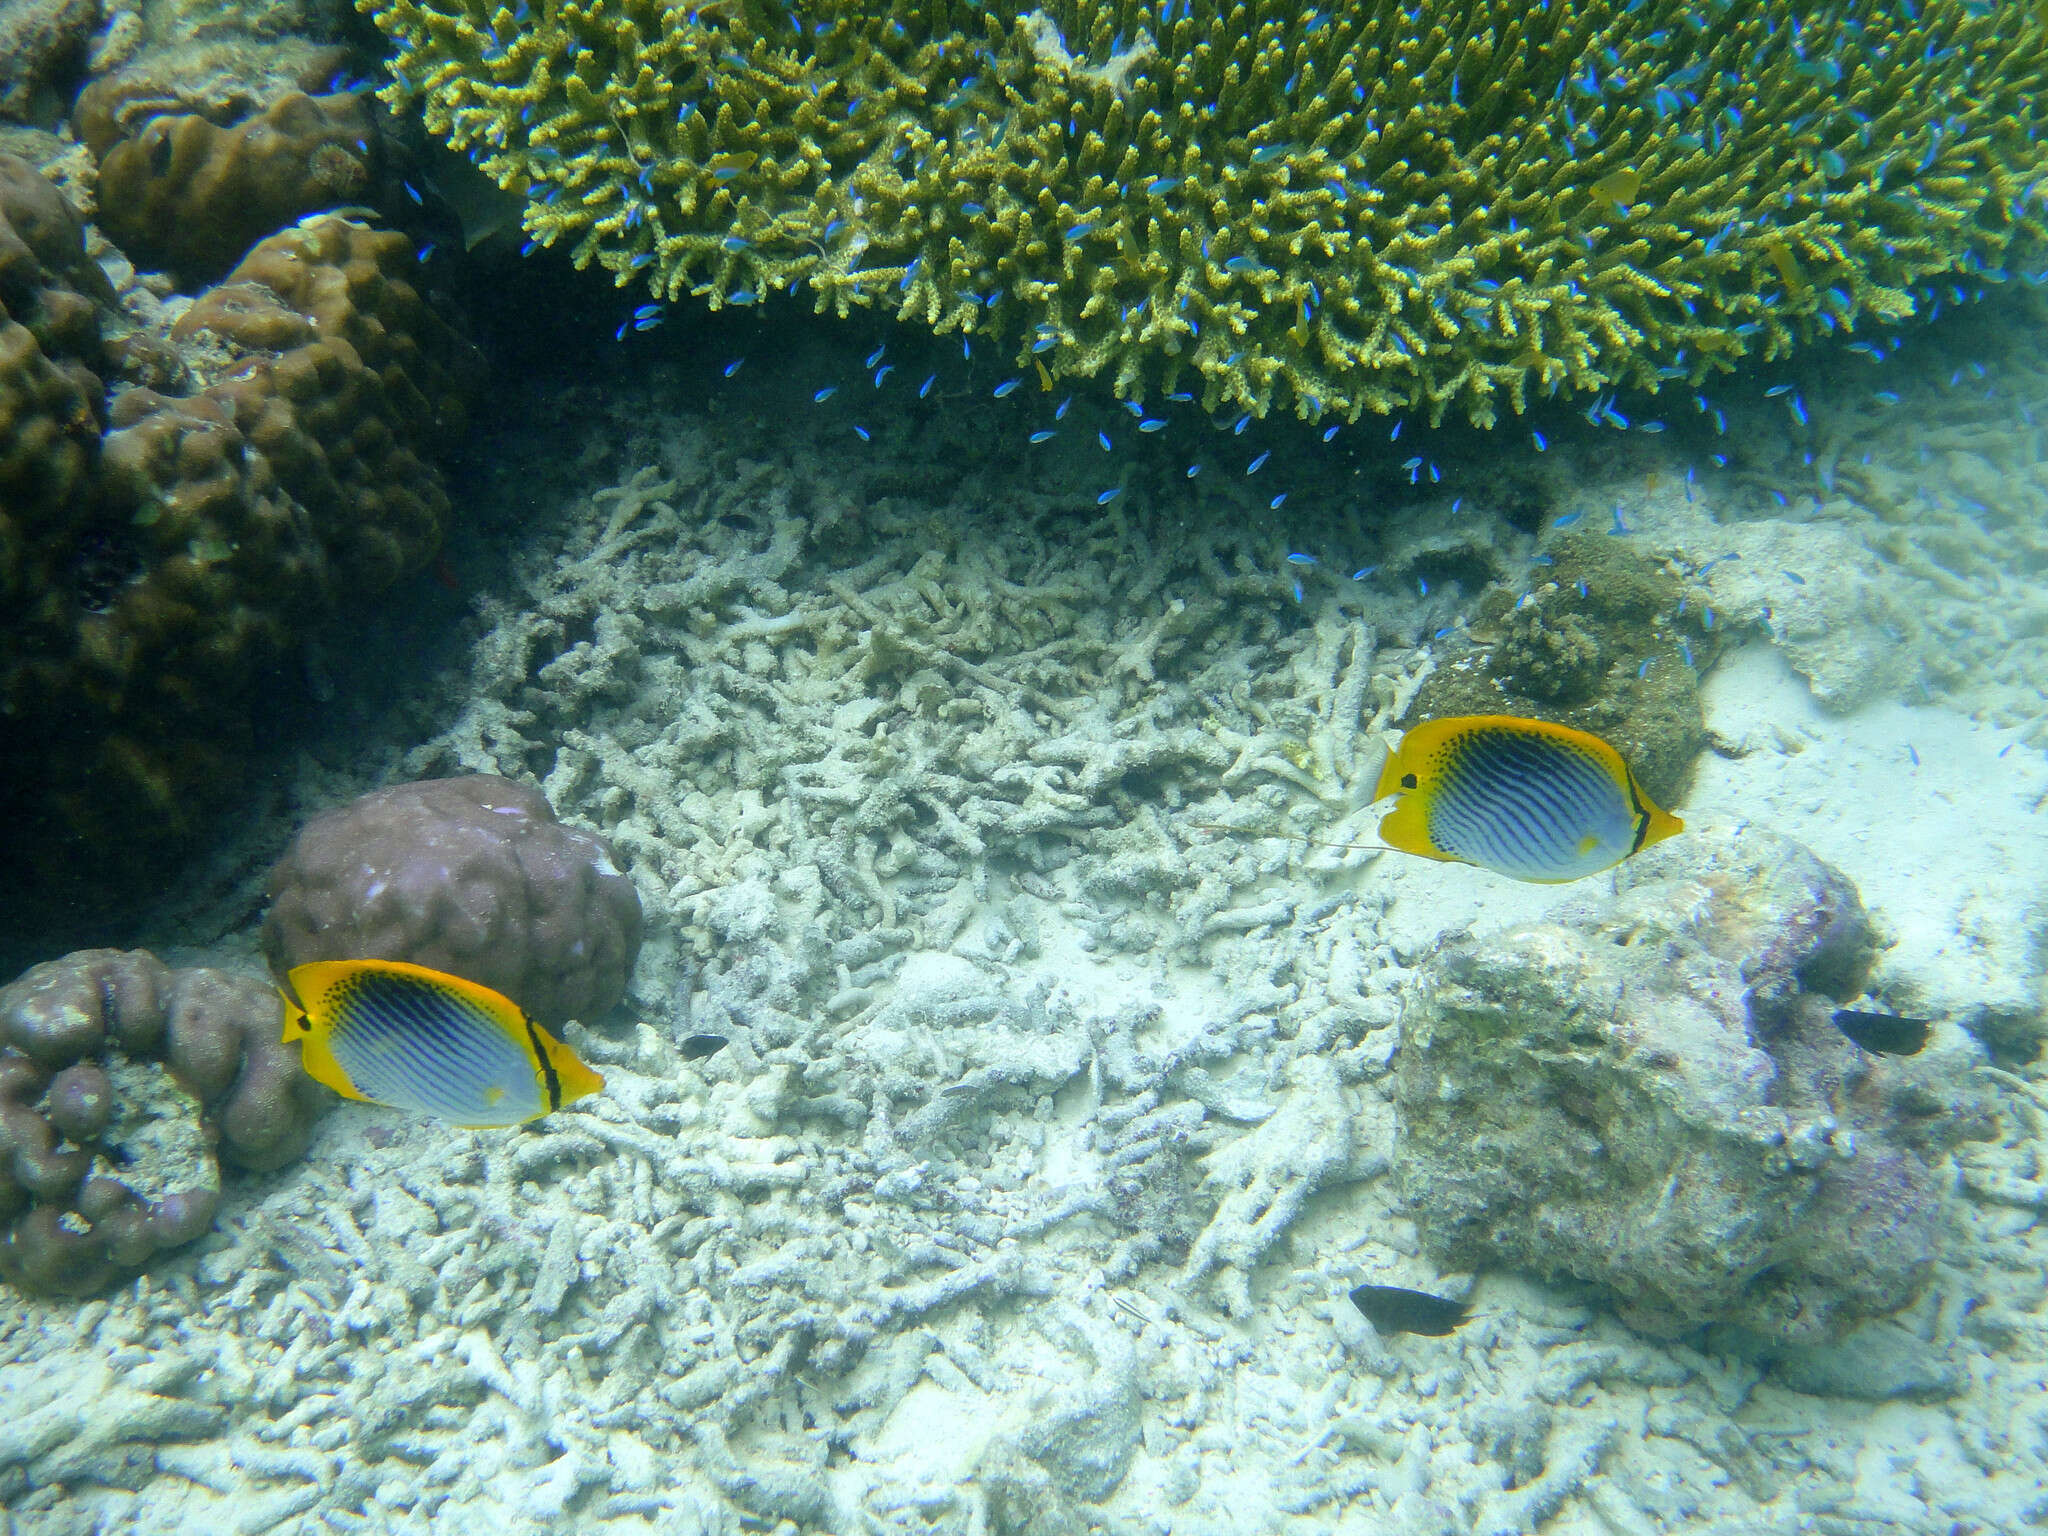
{"x": 1053, "y": 1123}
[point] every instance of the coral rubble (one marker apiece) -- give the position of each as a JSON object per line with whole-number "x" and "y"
{"x": 1453, "y": 206}
{"x": 1047, "y": 1128}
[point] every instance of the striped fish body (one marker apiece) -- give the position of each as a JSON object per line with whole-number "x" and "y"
{"x": 388, "y": 1032}
{"x": 1524, "y": 798}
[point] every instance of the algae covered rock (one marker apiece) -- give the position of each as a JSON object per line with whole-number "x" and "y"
{"x": 1649, "y": 1094}
{"x": 1603, "y": 644}
{"x": 1457, "y": 205}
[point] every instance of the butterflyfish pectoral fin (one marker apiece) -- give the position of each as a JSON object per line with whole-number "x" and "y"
{"x": 1406, "y": 828}
{"x": 327, "y": 1072}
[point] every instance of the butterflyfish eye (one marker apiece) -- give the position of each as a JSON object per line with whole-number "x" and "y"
{"x": 1409, "y": 781}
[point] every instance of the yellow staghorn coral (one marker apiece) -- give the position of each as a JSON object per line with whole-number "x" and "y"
{"x": 1366, "y": 208}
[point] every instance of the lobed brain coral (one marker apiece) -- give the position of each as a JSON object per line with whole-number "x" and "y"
{"x": 1367, "y": 207}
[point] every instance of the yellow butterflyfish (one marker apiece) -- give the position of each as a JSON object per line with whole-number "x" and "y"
{"x": 390, "y": 1032}
{"x": 1523, "y": 798}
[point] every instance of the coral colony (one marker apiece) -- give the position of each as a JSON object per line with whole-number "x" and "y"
{"x": 1451, "y": 208}
{"x": 1050, "y": 908}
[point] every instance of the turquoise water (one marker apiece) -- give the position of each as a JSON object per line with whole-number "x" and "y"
{"x": 1032, "y": 1049}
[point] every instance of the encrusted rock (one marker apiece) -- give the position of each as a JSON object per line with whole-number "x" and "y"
{"x": 1649, "y": 1093}
{"x": 220, "y": 77}
{"x": 1599, "y": 645}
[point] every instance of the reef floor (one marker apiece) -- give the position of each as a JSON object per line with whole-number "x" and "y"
{"x": 1053, "y": 1122}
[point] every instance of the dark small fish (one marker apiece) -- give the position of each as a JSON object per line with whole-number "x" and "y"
{"x": 1885, "y": 1033}
{"x": 697, "y": 1047}
{"x": 1396, "y": 1309}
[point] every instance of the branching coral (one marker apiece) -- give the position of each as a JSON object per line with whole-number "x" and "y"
{"x": 1367, "y": 208}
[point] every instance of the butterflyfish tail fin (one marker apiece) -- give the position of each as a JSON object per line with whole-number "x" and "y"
{"x": 579, "y": 1079}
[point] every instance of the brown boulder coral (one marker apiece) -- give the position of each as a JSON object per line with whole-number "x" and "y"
{"x": 188, "y": 195}
{"x": 51, "y": 356}
{"x": 346, "y": 380}
{"x": 158, "y": 574}
{"x": 219, "y": 76}
{"x": 470, "y": 875}
{"x": 124, "y": 1086}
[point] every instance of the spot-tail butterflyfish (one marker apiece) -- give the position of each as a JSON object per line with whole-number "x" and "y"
{"x": 389, "y": 1032}
{"x": 1524, "y": 798}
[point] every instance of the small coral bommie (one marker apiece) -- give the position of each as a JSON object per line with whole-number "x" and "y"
{"x": 1454, "y": 204}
